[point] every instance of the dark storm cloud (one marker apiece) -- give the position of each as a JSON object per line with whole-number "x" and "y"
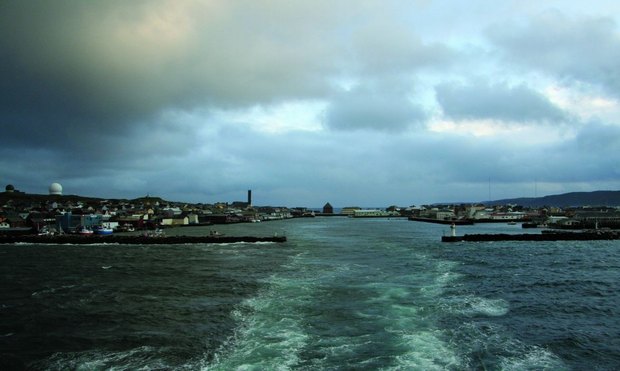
{"x": 453, "y": 167}
{"x": 595, "y": 149}
{"x": 94, "y": 90}
{"x": 385, "y": 108}
{"x": 122, "y": 98}
{"x": 497, "y": 102}
{"x": 82, "y": 69}
{"x": 582, "y": 49}
{"x": 57, "y": 76}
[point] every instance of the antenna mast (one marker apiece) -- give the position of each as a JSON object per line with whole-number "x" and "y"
{"x": 489, "y": 189}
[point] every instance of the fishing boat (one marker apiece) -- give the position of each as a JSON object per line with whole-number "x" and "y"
{"x": 83, "y": 231}
{"x": 124, "y": 228}
{"x": 101, "y": 230}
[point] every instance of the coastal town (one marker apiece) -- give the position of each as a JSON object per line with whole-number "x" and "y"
{"x": 56, "y": 213}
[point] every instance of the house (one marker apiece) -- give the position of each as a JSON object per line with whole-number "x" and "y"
{"x": 69, "y": 221}
{"x": 192, "y": 218}
{"x": 350, "y": 210}
{"x": 174, "y": 221}
{"x": 328, "y": 209}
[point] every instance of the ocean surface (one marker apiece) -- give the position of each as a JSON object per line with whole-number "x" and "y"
{"x": 341, "y": 294}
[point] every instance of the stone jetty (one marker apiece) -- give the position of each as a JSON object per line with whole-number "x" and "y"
{"x": 547, "y": 236}
{"x": 133, "y": 240}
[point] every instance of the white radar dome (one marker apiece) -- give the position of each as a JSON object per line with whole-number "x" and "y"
{"x": 55, "y": 189}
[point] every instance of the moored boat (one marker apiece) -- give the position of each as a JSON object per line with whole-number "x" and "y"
{"x": 104, "y": 231}
{"x": 83, "y": 231}
{"x": 124, "y": 228}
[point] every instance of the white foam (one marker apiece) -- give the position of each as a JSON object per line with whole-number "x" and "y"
{"x": 227, "y": 244}
{"x": 512, "y": 354}
{"x": 489, "y": 307}
{"x": 140, "y": 358}
{"x": 52, "y": 290}
{"x": 391, "y": 294}
{"x": 470, "y": 305}
{"x": 405, "y": 312}
{"x": 535, "y": 359}
{"x": 426, "y": 351}
{"x": 442, "y": 276}
{"x": 270, "y": 333}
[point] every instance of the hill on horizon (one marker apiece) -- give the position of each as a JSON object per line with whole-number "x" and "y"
{"x": 595, "y": 198}
{"x": 33, "y": 197}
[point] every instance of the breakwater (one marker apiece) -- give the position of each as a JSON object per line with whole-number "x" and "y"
{"x": 549, "y": 236}
{"x": 134, "y": 240}
{"x": 441, "y": 221}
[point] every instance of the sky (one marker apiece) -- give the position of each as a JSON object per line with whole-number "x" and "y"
{"x": 355, "y": 103}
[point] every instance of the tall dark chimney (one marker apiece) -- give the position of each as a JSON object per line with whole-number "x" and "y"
{"x": 249, "y": 197}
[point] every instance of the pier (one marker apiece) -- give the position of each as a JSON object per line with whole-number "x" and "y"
{"x": 133, "y": 240}
{"x": 441, "y": 221}
{"x": 549, "y": 236}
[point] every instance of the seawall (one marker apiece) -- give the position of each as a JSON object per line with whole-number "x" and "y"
{"x": 556, "y": 236}
{"x": 440, "y": 221}
{"x": 135, "y": 240}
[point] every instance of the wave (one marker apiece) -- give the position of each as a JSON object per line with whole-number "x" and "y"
{"x": 51, "y": 290}
{"x": 144, "y": 357}
{"x": 317, "y": 314}
{"x": 63, "y": 244}
{"x": 474, "y": 306}
{"x": 534, "y": 359}
{"x": 484, "y": 345}
{"x": 427, "y": 351}
{"x": 269, "y": 335}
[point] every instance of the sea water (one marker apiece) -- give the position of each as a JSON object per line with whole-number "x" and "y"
{"x": 340, "y": 294}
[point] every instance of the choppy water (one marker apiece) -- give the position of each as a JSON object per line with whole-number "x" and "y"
{"x": 340, "y": 294}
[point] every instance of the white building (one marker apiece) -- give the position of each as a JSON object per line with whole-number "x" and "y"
{"x": 55, "y": 189}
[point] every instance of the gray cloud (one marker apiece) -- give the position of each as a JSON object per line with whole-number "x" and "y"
{"x": 385, "y": 47}
{"x": 499, "y": 102}
{"x": 115, "y": 99}
{"x": 458, "y": 168}
{"x": 383, "y": 108}
{"x": 583, "y": 49}
{"x": 368, "y": 168}
{"x": 595, "y": 152}
{"x": 78, "y": 70}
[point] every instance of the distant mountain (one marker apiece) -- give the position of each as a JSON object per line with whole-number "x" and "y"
{"x": 596, "y": 198}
